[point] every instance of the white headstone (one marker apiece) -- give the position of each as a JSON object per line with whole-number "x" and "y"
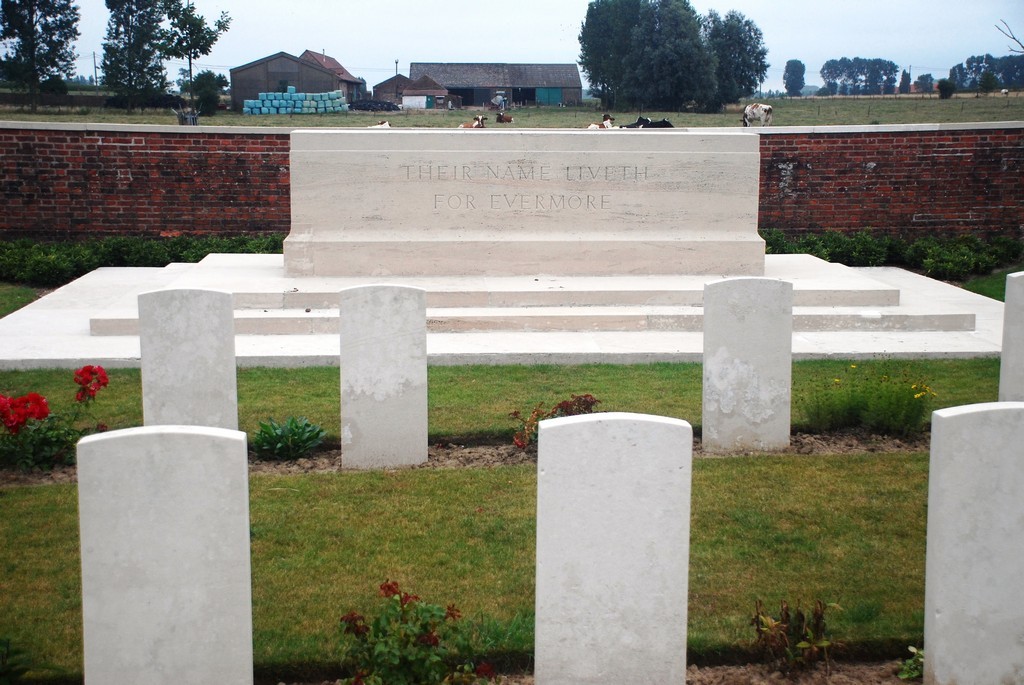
{"x": 166, "y": 583}
{"x": 748, "y": 360}
{"x": 613, "y": 542}
{"x": 974, "y": 568}
{"x": 383, "y": 376}
{"x": 187, "y": 339}
{"x": 1011, "y": 365}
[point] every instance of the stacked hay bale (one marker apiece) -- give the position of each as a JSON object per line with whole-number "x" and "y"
{"x": 291, "y": 102}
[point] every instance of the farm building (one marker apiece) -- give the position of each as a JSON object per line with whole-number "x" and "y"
{"x": 424, "y": 93}
{"x": 354, "y": 88}
{"x": 276, "y": 72}
{"x": 392, "y": 89}
{"x": 520, "y": 84}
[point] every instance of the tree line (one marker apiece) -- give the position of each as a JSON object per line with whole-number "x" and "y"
{"x": 662, "y": 55}
{"x": 38, "y": 36}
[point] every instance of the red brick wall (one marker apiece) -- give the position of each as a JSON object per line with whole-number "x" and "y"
{"x": 66, "y": 183}
{"x": 911, "y": 182}
{"x": 74, "y": 181}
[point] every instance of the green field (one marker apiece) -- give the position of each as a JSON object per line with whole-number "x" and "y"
{"x": 906, "y": 109}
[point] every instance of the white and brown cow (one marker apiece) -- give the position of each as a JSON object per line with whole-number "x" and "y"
{"x": 762, "y": 113}
{"x": 381, "y": 124}
{"x": 478, "y": 122}
{"x": 607, "y": 121}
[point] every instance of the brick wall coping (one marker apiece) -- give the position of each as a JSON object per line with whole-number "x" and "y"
{"x": 283, "y": 130}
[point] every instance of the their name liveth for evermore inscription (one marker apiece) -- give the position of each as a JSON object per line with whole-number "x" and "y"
{"x": 518, "y": 172}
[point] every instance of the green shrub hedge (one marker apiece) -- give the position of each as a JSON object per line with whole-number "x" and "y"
{"x": 949, "y": 258}
{"x": 54, "y": 264}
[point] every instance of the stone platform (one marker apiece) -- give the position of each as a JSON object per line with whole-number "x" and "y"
{"x": 292, "y": 321}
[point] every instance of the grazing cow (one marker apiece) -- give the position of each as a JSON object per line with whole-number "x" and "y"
{"x": 381, "y": 124}
{"x": 1005, "y": 91}
{"x": 503, "y": 118}
{"x": 478, "y": 122}
{"x": 606, "y": 122}
{"x": 762, "y": 113}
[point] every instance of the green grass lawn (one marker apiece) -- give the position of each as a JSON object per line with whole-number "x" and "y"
{"x": 846, "y": 529}
{"x": 907, "y": 109}
{"x": 472, "y": 403}
{"x": 993, "y": 285}
{"x": 14, "y": 297}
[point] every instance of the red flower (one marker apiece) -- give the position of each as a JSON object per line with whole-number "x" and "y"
{"x": 355, "y": 624}
{"x": 452, "y": 613}
{"x": 91, "y": 379}
{"x": 429, "y": 639}
{"x": 16, "y": 411}
{"x": 389, "y": 589}
{"x": 485, "y": 670}
{"x": 409, "y": 599}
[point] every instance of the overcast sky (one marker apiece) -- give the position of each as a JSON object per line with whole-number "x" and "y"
{"x": 925, "y": 36}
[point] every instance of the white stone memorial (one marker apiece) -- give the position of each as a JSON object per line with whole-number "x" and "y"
{"x": 613, "y": 541}
{"x": 383, "y": 376}
{"x": 525, "y": 202}
{"x": 187, "y": 341}
{"x": 748, "y": 360}
{"x": 1011, "y": 361}
{"x": 974, "y": 594}
{"x": 166, "y": 581}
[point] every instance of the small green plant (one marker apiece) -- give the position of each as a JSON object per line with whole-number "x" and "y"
{"x": 35, "y": 437}
{"x": 296, "y": 438}
{"x": 912, "y": 667}
{"x": 793, "y": 641}
{"x": 885, "y": 401}
{"x": 410, "y": 642}
{"x": 575, "y": 405}
{"x": 13, "y": 663}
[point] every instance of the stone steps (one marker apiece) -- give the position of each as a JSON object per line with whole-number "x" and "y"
{"x": 323, "y": 321}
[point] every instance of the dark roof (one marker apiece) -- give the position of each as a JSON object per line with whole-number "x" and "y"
{"x": 285, "y": 55}
{"x": 480, "y": 75}
{"x": 425, "y": 85}
{"x": 396, "y": 83}
{"x": 328, "y": 62}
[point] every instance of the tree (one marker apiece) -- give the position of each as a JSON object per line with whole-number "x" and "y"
{"x": 738, "y": 47}
{"x": 946, "y": 88}
{"x": 904, "y": 82}
{"x": 659, "y": 54}
{"x": 925, "y": 83}
{"x": 988, "y": 82}
{"x": 188, "y": 36}
{"x": 860, "y": 76}
{"x": 132, "y": 61}
{"x": 40, "y": 36}
{"x": 208, "y": 87}
{"x": 604, "y": 44}
{"x": 668, "y": 65}
{"x": 1008, "y": 32}
{"x": 793, "y": 77}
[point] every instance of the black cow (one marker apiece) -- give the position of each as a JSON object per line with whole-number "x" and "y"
{"x": 644, "y": 122}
